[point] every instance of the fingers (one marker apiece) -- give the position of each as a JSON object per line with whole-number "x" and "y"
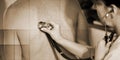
{"x": 45, "y": 30}
{"x": 108, "y": 44}
{"x": 54, "y": 24}
{"x": 101, "y": 43}
{"x": 102, "y": 49}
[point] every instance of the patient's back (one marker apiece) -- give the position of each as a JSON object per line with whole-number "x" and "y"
{"x": 22, "y": 18}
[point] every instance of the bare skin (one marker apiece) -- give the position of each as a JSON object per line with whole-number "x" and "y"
{"x": 21, "y": 20}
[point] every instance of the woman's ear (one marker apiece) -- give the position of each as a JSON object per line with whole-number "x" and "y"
{"x": 113, "y": 9}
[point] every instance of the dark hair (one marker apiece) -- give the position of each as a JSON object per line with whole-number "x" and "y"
{"x": 85, "y": 4}
{"x": 90, "y": 14}
{"x": 109, "y": 2}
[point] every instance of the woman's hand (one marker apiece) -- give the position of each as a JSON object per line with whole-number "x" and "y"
{"x": 101, "y": 50}
{"x": 53, "y": 29}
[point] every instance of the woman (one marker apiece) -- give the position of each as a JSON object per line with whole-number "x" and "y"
{"x": 108, "y": 12}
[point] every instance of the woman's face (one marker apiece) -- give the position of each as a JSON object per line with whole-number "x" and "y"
{"x": 102, "y": 13}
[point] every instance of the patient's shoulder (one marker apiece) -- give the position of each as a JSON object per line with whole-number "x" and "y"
{"x": 17, "y": 16}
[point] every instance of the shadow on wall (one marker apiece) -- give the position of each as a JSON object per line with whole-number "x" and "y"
{"x": 2, "y": 8}
{"x": 81, "y": 29}
{"x": 1, "y": 45}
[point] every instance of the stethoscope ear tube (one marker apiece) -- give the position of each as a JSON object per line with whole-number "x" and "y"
{"x": 109, "y": 29}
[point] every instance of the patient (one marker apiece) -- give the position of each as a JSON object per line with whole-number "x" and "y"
{"x": 22, "y": 38}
